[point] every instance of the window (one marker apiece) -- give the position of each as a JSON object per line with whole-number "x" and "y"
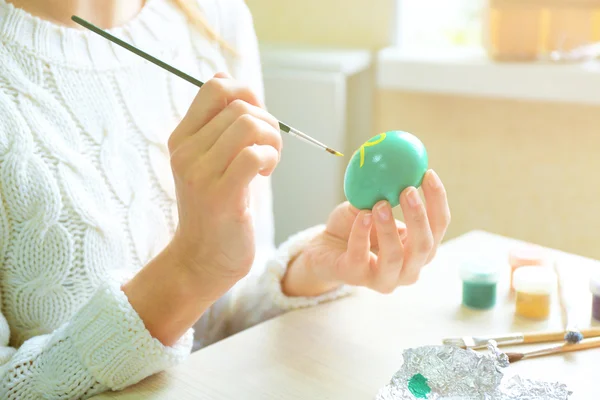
{"x": 439, "y": 25}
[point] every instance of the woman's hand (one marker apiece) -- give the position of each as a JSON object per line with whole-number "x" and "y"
{"x": 225, "y": 140}
{"x": 372, "y": 249}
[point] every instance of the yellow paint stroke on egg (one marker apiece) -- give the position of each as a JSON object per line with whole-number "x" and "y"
{"x": 380, "y": 139}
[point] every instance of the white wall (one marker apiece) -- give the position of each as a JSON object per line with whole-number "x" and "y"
{"x": 316, "y": 93}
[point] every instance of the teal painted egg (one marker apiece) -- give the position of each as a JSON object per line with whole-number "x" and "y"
{"x": 383, "y": 167}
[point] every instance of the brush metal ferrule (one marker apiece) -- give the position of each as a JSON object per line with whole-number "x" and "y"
{"x": 480, "y": 342}
{"x": 514, "y": 338}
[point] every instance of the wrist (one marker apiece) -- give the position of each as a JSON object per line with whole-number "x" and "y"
{"x": 205, "y": 281}
{"x": 184, "y": 254}
{"x": 170, "y": 295}
{"x": 302, "y": 280}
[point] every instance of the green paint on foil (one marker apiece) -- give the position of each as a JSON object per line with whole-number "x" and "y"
{"x": 418, "y": 386}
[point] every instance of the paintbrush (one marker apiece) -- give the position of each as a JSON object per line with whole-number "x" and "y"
{"x": 283, "y": 127}
{"x": 480, "y": 342}
{"x": 563, "y": 348}
{"x": 572, "y": 335}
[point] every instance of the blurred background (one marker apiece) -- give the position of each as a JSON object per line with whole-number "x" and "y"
{"x": 505, "y": 95}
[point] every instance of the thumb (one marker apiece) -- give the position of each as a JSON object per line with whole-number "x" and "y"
{"x": 341, "y": 219}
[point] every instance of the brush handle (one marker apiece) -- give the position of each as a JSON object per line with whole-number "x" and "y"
{"x": 283, "y": 127}
{"x": 543, "y": 337}
{"x": 565, "y": 348}
{"x": 557, "y": 336}
{"x": 562, "y": 298}
{"x": 512, "y": 339}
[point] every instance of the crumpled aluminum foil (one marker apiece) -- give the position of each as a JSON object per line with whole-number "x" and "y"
{"x": 453, "y": 373}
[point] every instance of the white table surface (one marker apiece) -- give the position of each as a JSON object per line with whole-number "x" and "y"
{"x": 349, "y": 349}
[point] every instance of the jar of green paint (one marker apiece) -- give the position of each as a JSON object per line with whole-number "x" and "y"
{"x": 479, "y": 285}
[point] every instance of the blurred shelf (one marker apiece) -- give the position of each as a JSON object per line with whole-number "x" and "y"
{"x": 471, "y": 73}
{"x": 347, "y": 62}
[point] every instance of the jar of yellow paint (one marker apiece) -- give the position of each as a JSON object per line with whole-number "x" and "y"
{"x": 534, "y": 287}
{"x": 526, "y": 256}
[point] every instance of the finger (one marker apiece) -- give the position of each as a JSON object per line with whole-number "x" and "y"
{"x": 438, "y": 210}
{"x": 211, "y": 99}
{"x": 419, "y": 241}
{"x": 344, "y": 216}
{"x": 244, "y": 132}
{"x": 401, "y": 226}
{"x": 250, "y": 162}
{"x": 354, "y": 267}
{"x": 213, "y": 131}
{"x": 390, "y": 257}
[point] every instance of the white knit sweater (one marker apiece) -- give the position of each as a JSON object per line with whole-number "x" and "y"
{"x": 87, "y": 198}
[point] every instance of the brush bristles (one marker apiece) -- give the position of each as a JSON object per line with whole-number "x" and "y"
{"x": 573, "y": 337}
{"x": 514, "y": 357}
{"x": 335, "y": 153}
{"x": 458, "y": 342}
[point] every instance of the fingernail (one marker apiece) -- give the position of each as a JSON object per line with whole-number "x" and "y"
{"x": 434, "y": 181}
{"x": 367, "y": 219}
{"x": 413, "y": 197}
{"x": 384, "y": 211}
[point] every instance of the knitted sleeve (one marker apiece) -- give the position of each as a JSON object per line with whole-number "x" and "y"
{"x": 104, "y": 345}
{"x": 259, "y": 296}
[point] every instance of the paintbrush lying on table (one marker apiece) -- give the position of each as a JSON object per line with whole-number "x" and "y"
{"x": 572, "y": 334}
{"x": 480, "y": 342}
{"x": 283, "y": 127}
{"x": 563, "y": 348}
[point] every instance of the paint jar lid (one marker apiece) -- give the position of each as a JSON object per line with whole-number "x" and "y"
{"x": 534, "y": 279}
{"x": 595, "y": 285}
{"x": 479, "y": 271}
{"x": 526, "y": 255}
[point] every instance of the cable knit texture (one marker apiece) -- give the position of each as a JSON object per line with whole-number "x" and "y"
{"x": 87, "y": 197}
